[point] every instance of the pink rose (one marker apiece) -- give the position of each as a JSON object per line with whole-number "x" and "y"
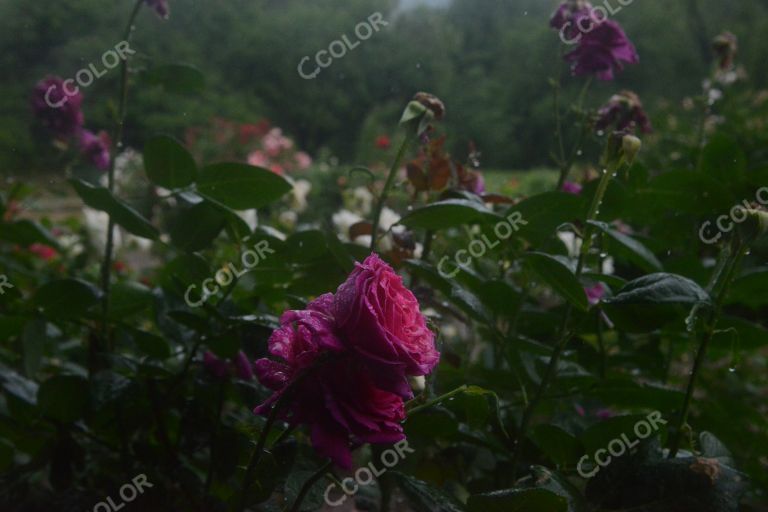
{"x": 336, "y": 398}
{"x": 379, "y": 319}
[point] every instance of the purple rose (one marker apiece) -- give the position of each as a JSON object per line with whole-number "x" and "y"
{"x": 572, "y": 17}
{"x": 380, "y": 320}
{"x": 95, "y": 148}
{"x": 160, "y": 7}
{"x": 337, "y": 398}
{"x": 595, "y": 293}
{"x": 624, "y": 113}
{"x": 58, "y": 106}
{"x": 602, "y": 50}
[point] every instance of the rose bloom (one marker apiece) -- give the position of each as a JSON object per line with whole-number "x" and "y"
{"x": 602, "y": 51}
{"x": 337, "y": 397}
{"x": 570, "y": 16}
{"x": 595, "y": 293}
{"x": 95, "y": 148}
{"x": 258, "y": 159}
{"x": 303, "y": 160}
{"x": 379, "y": 319}
{"x": 57, "y": 110}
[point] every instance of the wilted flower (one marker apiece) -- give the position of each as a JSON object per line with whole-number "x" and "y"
{"x": 725, "y": 45}
{"x": 160, "y": 7}
{"x": 623, "y": 112}
{"x": 95, "y": 148}
{"x": 602, "y": 50}
{"x": 570, "y": 187}
{"x": 432, "y": 103}
{"x": 57, "y": 108}
{"x": 474, "y": 182}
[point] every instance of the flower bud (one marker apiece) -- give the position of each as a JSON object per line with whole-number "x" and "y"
{"x": 421, "y": 111}
{"x": 630, "y": 147}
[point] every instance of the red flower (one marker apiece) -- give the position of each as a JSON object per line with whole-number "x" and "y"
{"x": 43, "y": 252}
{"x": 383, "y": 142}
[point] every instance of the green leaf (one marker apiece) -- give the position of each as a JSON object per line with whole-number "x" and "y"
{"x": 560, "y": 446}
{"x": 241, "y": 186}
{"x": 176, "y": 78}
{"x": 99, "y": 198}
{"x": 425, "y": 498}
{"x": 154, "y": 346}
{"x": 542, "y": 214}
{"x": 559, "y": 277}
{"x": 662, "y": 288}
{"x": 630, "y": 249}
{"x": 450, "y": 213}
{"x": 517, "y": 500}
{"x": 651, "y": 301}
{"x": 27, "y": 232}
{"x": 64, "y": 397}
{"x": 559, "y": 484}
{"x": 196, "y": 227}
{"x": 33, "y": 342}
{"x": 749, "y": 289}
{"x": 66, "y": 298}
{"x": 168, "y": 164}
{"x": 129, "y": 298}
{"x": 724, "y": 159}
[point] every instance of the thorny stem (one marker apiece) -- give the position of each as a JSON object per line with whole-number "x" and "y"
{"x": 387, "y": 186}
{"x": 413, "y": 408}
{"x": 106, "y": 266}
{"x": 723, "y": 282}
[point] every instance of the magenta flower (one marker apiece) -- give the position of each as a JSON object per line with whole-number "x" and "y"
{"x": 570, "y": 187}
{"x": 474, "y": 182}
{"x": 95, "y": 148}
{"x": 595, "y": 293}
{"x": 58, "y": 106}
{"x": 623, "y": 113}
{"x": 602, "y": 50}
{"x": 571, "y": 18}
{"x": 336, "y": 398}
{"x": 380, "y": 321}
{"x": 160, "y": 7}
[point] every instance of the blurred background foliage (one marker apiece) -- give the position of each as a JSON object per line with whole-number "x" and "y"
{"x": 490, "y": 60}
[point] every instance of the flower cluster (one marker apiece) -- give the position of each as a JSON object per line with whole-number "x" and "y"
{"x": 602, "y": 46}
{"x": 276, "y": 154}
{"x": 344, "y": 362}
{"x": 61, "y": 114}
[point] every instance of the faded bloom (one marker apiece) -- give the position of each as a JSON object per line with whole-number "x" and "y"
{"x": 725, "y": 45}
{"x": 602, "y": 50}
{"x": 474, "y": 182}
{"x": 56, "y": 108}
{"x": 95, "y": 148}
{"x": 623, "y": 112}
{"x": 570, "y": 187}
{"x": 432, "y": 103}
{"x": 160, "y": 7}
{"x": 381, "y": 321}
